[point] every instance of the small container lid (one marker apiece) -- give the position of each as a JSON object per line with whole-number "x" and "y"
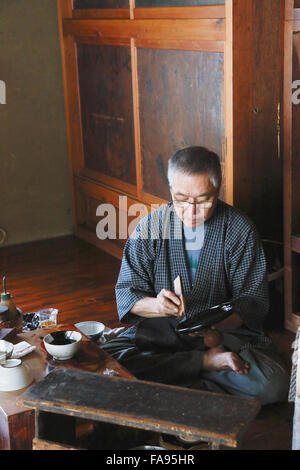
{"x": 5, "y": 296}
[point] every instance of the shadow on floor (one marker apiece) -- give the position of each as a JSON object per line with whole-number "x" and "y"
{"x": 272, "y": 429}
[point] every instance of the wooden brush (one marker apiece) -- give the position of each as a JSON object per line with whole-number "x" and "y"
{"x": 212, "y": 338}
{"x": 178, "y": 292}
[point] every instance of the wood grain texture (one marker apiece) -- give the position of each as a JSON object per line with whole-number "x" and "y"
{"x": 89, "y": 358}
{"x": 297, "y": 14}
{"x": 199, "y": 29}
{"x": 267, "y": 94}
{"x": 295, "y": 277}
{"x": 173, "y": 111}
{"x": 108, "y": 181}
{"x": 106, "y": 110}
{"x": 42, "y": 444}
{"x": 72, "y": 109}
{"x": 65, "y": 273}
{"x": 104, "y": 14}
{"x": 182, "y": 45}
{"x": 123, "y": 211}
{"x": 17, "y": 430}
{"x": 242, "y": 22}
{"x": 228, "y": 106}
{"x": 175, "y": 3}
{"x": 100, "y": 4}
{"x": 213, "y": 417}
{"x": 257, "y": 88}
{"x": 295, "y": 225}
{"x": 287, "y": 166}
{"x": 289, "y": 9}
{"x": 291, "y": 170}
{"x": 181, "y": 12}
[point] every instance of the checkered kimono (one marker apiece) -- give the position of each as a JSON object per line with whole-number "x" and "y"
{"x": 231, "y": 265}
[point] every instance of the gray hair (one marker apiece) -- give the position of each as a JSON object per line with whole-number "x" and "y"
{"x": 195, "y": 160}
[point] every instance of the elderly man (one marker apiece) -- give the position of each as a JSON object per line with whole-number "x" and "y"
{"x": 218, "y": 254}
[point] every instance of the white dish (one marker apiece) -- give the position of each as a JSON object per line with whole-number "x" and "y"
{"x": 14, "y": 375}
{"x": 62, "y": 352}
{"x": 92, "y": 329}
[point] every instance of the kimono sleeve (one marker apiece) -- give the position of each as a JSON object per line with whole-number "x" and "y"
{"x": 136, "y": 277}
{"x": 248, "y": 276}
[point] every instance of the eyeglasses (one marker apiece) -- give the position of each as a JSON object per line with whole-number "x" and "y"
{"x": 185, "y": 204}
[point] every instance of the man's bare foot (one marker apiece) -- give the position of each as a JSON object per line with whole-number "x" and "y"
{"x": 220, "y": 359}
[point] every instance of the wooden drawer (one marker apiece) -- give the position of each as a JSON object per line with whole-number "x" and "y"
{"x": 106, "y": 217}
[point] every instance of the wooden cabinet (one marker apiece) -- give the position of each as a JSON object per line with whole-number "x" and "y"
{"x": 145, "y": 78}
{"x": 292, "y": 164}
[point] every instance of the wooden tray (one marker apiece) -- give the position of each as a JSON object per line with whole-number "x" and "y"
{"x": 90, "y": 357}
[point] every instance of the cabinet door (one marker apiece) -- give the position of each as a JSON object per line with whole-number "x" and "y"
{"x": 292, "y": 165}
{"x": 105, "y": 87}
{"x": 181, "y": 104}
{"x": 295, "y": 164}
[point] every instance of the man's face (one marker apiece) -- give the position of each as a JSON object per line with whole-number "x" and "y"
{"x": 198, "y": 190}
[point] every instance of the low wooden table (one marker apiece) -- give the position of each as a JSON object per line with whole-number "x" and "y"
{"x": 78, "y": 390}
{"x": 17, "y": 423}
{"x": 133, "y": 404}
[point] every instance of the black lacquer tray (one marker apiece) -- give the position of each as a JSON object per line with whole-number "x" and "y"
{"x": 213, "y": 315}
{"x": 205, "y": 319}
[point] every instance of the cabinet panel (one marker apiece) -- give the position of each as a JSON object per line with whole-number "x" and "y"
{"x": 111, "y": 223}
{"x": 176, "y": 3}
{"x": 95, "y": 4}
{"x": 91, "y": 220}
{"x": 295, "y": 283}
{"x": 181, "y": 104}
{"x": 105, "y": 87}
{"x": 291, "y": 168}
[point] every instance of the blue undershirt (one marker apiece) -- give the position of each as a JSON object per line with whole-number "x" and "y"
{"x": 193, "y": 239}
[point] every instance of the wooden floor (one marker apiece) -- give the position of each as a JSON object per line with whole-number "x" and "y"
{"x": 78, "y": 279}
{"x": 66, "y": 273}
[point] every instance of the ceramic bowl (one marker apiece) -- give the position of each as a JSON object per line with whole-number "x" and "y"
{"x": 62, "y": 345}
{"x": 14, "y": 375}
{"x": 6, "y": 350}
{"x": 92, "y": 329}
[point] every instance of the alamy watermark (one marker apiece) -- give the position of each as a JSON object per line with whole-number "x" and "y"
{"x": 2, "y": 92}
{"x": 165, "y": 223}
{"x": 296, "y": 94}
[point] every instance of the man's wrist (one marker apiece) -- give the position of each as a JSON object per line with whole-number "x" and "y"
{"x": 145, "y": 306}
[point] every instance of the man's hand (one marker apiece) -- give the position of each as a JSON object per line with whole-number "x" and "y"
{"x": 166, "y": 303}
{"x": 218, "y": 359}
